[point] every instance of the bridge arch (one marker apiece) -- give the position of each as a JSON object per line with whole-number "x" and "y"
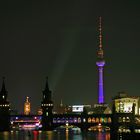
{"x": 67, "y": 119}
{"x": 124, "y": 129}
{"x": 99, "y": 128}
{"x": 97, "y": 120}
{"x": 109, "y": 120}
{"x": 89, "y": 120}
{"x": 70, "y": 128}
{"x": 93, "y": 120}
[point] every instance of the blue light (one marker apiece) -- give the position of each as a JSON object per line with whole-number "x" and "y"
{"x": 100, "y": 65}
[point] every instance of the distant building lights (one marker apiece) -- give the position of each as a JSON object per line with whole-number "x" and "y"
{"x": 16, "y": 118}
{"x": 84, "y": 120}
{"x": 99, "y": 124}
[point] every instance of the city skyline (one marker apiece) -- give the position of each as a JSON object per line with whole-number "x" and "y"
{"x": 60, "y": 40}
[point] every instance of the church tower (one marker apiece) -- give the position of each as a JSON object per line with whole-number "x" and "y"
{"x": 4, "y": 109}
{"x": 47, "y": 106}
{"x": 27, "y": 107}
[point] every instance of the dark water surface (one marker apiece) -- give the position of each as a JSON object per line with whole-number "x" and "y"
{"x": 50, "y": 135}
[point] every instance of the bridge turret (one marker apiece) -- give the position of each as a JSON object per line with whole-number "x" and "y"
{"x": 47, "y": 106}
{"x": 4, "y": 109}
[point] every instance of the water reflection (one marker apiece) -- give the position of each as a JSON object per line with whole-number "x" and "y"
{"x": 67, "y": 135}
{"x": 6, "y": 135}
{"x": 103, "y": 136}
{"x": 50, "y": 135}
{"x": 35, "y": 135}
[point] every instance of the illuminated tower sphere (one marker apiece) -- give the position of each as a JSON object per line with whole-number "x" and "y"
{"x": 100, "y": 64}
{"x": 4, "y": 109}
{"x": 47, "y": 106}
{"x": 27, "y": 107}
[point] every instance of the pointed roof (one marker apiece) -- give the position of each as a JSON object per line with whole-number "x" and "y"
{"x": 3, "y": 89}
{"x": 47, "y": 85}
{"x": 100, "y": 50}
{"x": 61, "y": 103}
{"x": 47, "y": 90}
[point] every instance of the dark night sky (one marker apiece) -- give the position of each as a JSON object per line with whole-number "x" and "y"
{"x": 59, "y": 39}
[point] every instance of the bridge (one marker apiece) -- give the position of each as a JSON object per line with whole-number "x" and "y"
{"x": 82, "y": 121}
{"x": 120, "y": 122}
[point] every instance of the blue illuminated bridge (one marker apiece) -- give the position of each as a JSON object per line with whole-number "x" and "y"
{"x": 33, "y": 122}
{"x": 116, "y": 121}
{"x": 82, "y": 121}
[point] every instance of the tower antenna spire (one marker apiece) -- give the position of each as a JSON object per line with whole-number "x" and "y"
{"x": 100, "y": 51}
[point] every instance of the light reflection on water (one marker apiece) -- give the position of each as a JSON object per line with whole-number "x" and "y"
{"x": 50, "y": 135}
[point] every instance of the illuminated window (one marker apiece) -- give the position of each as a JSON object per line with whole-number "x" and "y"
{"x": 105, "y": 120}
{"x": 101, "y": 120}
{"x": 97, "y": 120}
{"x": 109, "y": 120}
{"x": 127, "y": 119}
{"x": 93, "y": 120}
{"x": 121, "y": 107}
{"x": 84, "y": 120}
{"x": 44, "y": 96}
{"x": 89, "y": 120}
{"x": 75, "y": 120}
{"x": 123, "y": 119}
{"x": 46, "y": 113}
{"x": 79, "y": 120}
{"x": 16, "y": 118}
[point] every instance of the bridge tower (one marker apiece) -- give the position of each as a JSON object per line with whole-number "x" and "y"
{"x": 47, "y": 106}
{"x": 4, "y": 109}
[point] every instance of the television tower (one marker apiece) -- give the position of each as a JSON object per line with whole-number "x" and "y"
{"x": 100, "y": 64}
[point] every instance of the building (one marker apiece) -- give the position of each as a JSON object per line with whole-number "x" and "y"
{"x": 60, "y": 109}
{"x": 71, "y": 109}
{"x": 47, "y": 107}
{"x": 124, "y": 103}
{"x": 4, "y": 109}
{"x": 79, "y": 108}
{"x": 27, "y": 107}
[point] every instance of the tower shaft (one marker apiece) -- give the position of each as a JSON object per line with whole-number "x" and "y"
{"x": 100, "y": 85}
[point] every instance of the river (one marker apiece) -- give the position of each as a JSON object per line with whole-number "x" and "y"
{"x": 50, "y": 135}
